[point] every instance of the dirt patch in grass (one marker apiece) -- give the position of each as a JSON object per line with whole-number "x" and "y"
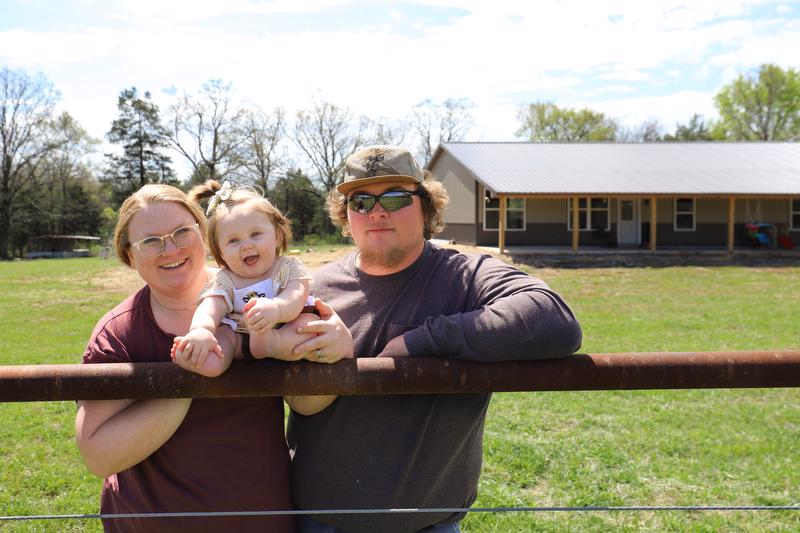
{"x": 120, "y": 279}
{"x": 314, "y": 258}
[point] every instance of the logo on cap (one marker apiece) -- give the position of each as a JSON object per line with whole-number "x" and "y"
{"x": 374, "y": 165}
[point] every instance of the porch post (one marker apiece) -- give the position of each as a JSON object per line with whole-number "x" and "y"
{"x": 501, "y": 228}
{"x": 653, "y": 223}
{"x": 575, "y": 228}
{"x": 731, "y": 219}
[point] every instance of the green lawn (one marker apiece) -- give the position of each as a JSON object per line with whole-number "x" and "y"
{"x": 714, "y": 447}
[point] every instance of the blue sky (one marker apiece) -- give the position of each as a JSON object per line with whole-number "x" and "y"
{"x": 634, "y": 60}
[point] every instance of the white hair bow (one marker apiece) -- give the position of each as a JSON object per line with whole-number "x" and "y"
{"x": 220, "y": 196}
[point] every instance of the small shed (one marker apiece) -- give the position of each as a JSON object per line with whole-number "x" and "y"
{"x": 60, "y": 246}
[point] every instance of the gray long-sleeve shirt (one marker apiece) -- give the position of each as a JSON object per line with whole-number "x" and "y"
{"x": 406, "y": 451}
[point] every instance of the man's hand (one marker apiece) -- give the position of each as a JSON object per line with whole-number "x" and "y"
{"x": 395, "y": 348}
{"x": 332, "y": 340}
{"x": 261, "y": 314}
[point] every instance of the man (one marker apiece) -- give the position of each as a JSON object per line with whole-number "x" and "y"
{"x": 402, "y": 296}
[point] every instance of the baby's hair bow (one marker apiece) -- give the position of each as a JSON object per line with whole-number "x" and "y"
{"x": 220, "y": 196}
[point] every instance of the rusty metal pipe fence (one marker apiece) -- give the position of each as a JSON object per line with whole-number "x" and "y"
{"x": 425, "y": 375}
{"x": 617, "y": 371}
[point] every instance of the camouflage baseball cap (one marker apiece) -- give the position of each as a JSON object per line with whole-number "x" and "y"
{"x": 380, "y": 164}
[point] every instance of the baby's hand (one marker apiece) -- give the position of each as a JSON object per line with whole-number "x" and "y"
{"x": 190, "y": 351}
{"x": 261, "y": 315}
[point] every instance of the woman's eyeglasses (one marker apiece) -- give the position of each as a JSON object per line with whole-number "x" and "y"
{"x": 152, "y": 247}
{"x": 391, "y": 201}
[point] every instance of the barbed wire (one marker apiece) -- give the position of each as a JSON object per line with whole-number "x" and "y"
{"x": 449, "y": 510}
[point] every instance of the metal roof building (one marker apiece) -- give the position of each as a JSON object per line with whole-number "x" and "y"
{"x": 535, "y": 193}
{"x": 707, "y": 168}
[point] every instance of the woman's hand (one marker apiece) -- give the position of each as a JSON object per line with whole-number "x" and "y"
{"x": 333, "y": 340}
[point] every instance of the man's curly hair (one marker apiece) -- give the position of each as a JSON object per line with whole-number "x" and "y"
{"x": 434, "y": 199}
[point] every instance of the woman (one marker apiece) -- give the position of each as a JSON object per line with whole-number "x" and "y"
{"x": 182, "y": 455}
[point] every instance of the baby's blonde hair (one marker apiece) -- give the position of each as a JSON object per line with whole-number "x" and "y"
{"x": 240, "y": 196}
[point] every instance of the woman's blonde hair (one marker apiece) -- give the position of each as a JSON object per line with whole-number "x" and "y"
{"x": 434, "y": 199}
{"x": 150, "y": 194}
{"x": 239, "y": 196}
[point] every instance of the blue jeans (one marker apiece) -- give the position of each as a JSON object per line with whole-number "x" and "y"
{"x": 306, "y": 524}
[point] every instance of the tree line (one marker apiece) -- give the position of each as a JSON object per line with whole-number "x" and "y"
{"x": 52, "y": 182}
{"x": 763, "y": 106}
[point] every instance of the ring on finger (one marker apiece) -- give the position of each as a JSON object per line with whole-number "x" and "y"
{"x": 319, "y": 354}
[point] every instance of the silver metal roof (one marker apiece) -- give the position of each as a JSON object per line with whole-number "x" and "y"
{"x": 632, "y": 168}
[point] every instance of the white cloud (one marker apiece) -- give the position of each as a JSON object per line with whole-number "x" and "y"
{"x": 669, "y": 109}
{"x": 502, "y": 54}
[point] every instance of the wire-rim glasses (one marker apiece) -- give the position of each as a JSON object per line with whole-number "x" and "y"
{"x": 391, "y": 201}
{"x": 183, "y": 237}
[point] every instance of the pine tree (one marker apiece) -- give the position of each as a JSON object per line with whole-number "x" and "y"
{"x": 139, "y": 132}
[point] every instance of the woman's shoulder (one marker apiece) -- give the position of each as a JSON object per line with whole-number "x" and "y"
{"x": 130, "y": 305}
{"x": 118, "y": 325}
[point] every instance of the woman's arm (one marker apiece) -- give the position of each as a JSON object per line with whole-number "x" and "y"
{"x": 309, "y": 405}
{"x": 114, "y": 435}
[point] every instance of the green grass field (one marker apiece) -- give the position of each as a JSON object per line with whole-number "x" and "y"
{"x": 711, "y": 447}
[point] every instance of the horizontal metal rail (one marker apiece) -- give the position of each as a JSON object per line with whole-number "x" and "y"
{"x": 438, "y": 510}
{"x": 419, "y": 375}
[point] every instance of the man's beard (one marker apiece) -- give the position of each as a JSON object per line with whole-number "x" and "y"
{"x": 390, "y": 258}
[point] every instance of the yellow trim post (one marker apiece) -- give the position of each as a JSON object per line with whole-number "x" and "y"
{"x": 501, "y": 228}
{"x": 731, "y": 220}
{"x": 575, "y": 233}
{"x": 653, "y": 223}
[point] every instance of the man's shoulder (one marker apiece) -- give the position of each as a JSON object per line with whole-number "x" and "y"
{"x": 473, "y": 266}
{"x": 335, "y": 267}
{"x": 457, "y": 258}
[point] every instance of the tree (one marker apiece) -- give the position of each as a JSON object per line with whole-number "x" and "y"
{"x": 64, "y": 196}
{"x": 388, "y": 131}
{"x": 138, "y": 130}
{"x": 695, "y": 130}
{"x": 26, "y": 107}
{"x": 261, "y": 158}
{"x": 650, "y": 130}
{"x": 207, "y": 130}
{"x": 761, "y": 107}
{"x": 297, "y": 198}
{"x": 66, "y": 171}
{"x": 436, "y": 123}
{"x": 327, "y": 135}
{"x": 545, "y": 121}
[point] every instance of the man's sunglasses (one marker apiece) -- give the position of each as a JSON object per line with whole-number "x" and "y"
{"x": 391, "y": 201}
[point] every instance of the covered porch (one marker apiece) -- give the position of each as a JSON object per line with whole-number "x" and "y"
{"x": 636, "y": 221}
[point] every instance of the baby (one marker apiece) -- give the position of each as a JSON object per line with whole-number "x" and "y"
{"x": 257, "y": 288}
